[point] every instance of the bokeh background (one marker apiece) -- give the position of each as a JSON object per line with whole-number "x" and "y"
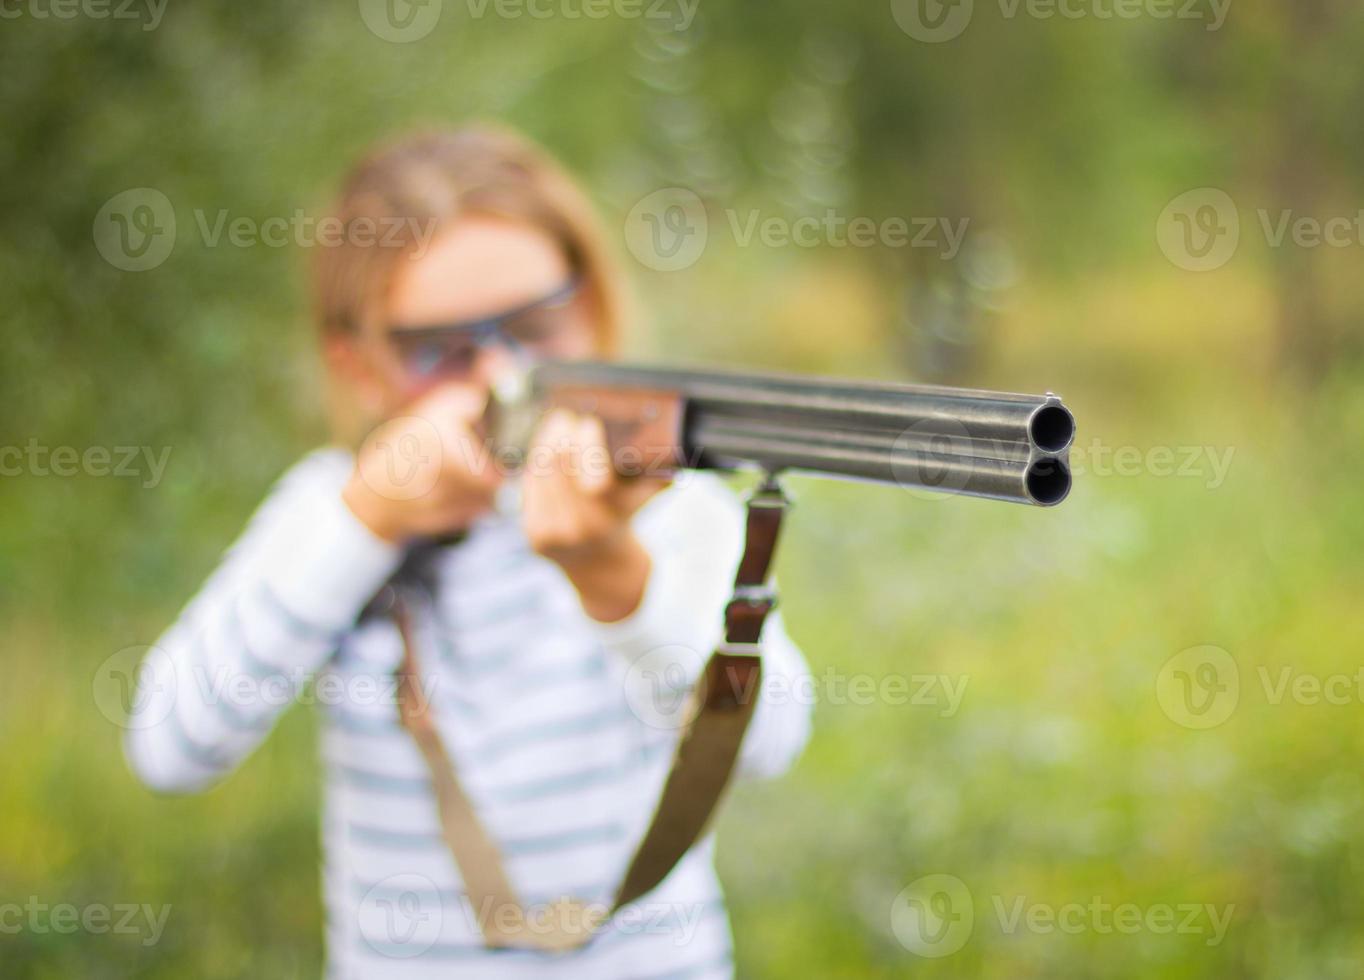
{"x": 1140, "y": 184}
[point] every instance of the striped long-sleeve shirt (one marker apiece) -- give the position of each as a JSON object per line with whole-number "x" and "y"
{"x": 553, "y": 719}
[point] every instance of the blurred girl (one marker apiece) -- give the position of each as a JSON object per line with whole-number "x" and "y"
{"x": 486, "y": 254}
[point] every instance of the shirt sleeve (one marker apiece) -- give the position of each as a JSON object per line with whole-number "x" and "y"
{"x": 210, "y": 689}
{"x": 694, "y": 534}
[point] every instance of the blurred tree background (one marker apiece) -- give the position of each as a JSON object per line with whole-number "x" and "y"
{"x": 1062, "y": 141}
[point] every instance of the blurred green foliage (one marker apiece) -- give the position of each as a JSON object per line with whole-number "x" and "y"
{"x": 1060, "y": 778}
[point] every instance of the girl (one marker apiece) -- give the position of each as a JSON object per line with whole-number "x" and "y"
{"x": 548, "y": 599}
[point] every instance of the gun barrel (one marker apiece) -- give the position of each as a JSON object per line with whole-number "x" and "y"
{"x": 1001, "y": 445}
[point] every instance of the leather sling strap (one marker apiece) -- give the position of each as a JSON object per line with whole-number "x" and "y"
{"x": 718, "y": 714}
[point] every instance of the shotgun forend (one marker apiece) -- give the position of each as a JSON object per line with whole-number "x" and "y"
{"x": 951, "y": 440}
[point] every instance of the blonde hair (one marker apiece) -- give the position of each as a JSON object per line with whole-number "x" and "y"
{"x": 428, "y": 180}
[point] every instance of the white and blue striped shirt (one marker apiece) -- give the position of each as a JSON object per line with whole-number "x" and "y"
{"x": 552, "y": 719}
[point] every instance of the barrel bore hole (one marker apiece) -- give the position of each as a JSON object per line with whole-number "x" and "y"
{"x": 1051, "y": 428}
{"x": 1048, "y": 481}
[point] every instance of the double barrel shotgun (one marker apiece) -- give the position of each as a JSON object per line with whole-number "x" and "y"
{"x": 951, "y": 440}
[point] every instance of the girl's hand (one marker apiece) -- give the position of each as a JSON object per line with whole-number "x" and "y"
{"x": 426, "y": 472}
{"x": 577, "y": 510}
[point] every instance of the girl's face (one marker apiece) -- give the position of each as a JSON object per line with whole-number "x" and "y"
{"x": 462, "y": 289}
